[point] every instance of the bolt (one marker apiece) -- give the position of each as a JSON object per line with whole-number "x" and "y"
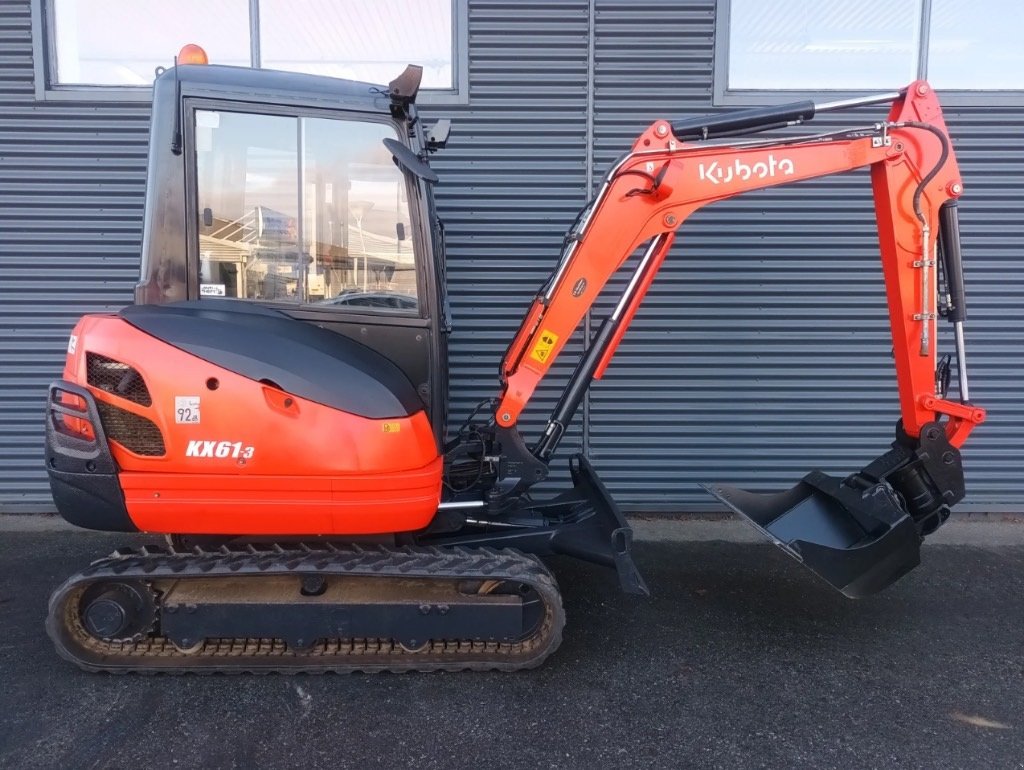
{"x": 670, "y": 220}
{"x": 661, "y": 130}
{"x": 443, "y": 609}
{"x": 932, "y": 434}
{"x": 156, "y": 494}
{"x": 922, "y": 89}
{"x": 505, "y": 417}
{"x": 90, "y": 466}
{"x": 424, "y": 609}
{"x": 948, "y": 458}
{"x": 955, "y": 189}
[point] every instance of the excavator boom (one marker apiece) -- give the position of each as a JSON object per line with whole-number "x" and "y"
{"x": 861, "y": 533}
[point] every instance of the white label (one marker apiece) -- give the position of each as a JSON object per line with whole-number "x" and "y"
{"x": 213, "y": 290}
{"x": 186, "y": 410}
{"x": 72, "y": 344}
{"x": 207, "y": 119}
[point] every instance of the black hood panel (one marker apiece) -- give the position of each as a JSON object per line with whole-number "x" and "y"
{"x": 263, "y": 344}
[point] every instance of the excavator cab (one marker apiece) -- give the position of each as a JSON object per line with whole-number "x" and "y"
{"x": 297, "y": 193}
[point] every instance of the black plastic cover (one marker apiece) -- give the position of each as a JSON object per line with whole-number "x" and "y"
{"x": 83, "y": 474}
{"x": 263, "y": 344}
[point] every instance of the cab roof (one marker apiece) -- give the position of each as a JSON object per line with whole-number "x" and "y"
{"x": 273, "y": 87}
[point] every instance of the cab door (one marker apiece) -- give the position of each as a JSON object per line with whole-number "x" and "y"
{"x": 307, "y": 212}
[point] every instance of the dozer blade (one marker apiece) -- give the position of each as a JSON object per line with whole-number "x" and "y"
{"x": 860, "y": 541}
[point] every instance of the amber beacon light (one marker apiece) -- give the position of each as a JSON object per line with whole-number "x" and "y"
{"x": 192, "y": 54}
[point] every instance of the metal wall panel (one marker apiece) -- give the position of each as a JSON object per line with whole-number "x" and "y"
{"x": 762, "y": 349}
{"x": 71, "y": 195}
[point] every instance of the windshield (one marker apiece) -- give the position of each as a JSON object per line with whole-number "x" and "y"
{"x": 304, "y": 210}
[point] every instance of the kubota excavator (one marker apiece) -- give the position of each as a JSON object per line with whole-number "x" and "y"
{"x": 275, "y": 401}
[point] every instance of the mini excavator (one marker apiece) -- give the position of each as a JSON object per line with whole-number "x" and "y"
{"x": 275, "y": 401}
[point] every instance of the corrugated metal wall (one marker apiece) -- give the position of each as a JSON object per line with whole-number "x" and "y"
{"x": 71, "y": 195}
{"x": 762, "y": 349}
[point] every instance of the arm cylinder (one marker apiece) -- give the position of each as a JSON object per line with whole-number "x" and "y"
{"x": 952, "y": 261}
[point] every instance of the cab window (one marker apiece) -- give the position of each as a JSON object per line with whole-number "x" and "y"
{"x": 302, "y": 210}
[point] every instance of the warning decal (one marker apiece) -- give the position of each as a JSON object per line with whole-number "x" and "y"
{"x": 544, "y": 346}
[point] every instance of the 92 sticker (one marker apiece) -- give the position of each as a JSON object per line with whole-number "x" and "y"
{"x": 186, "y": 410}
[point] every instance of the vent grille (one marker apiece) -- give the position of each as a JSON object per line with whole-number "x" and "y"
{"x": 133, "y": 432}
{"x": 117, "y": 378}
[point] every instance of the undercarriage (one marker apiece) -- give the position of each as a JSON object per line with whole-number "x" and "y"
{"x": 308, "y": 609}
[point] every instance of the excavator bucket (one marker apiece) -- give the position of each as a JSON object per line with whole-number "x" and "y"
{"x": 859, "y": 541}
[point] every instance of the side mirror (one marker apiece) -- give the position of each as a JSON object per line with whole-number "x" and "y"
{"x": 410, "y": 161}
{"x": 437, "y": 136}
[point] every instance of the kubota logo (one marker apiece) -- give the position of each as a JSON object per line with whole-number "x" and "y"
{"x": 220, "y": 449}
{"x": 763, "y": 169}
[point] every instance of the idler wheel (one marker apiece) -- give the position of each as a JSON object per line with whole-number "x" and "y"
{"x": 118, "y": 612}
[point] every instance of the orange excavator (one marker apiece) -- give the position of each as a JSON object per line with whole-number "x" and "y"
{"x": 275, "y": 401}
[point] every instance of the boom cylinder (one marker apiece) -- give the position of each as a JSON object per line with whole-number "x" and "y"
{"x": 608, "y": 336}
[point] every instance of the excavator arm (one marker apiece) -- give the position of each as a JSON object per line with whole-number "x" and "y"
{"x": 650, "y": 192}
{"x": 674, "y": 169}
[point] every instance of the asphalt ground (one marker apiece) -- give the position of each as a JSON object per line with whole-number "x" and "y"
{"x": 740, "y": 659}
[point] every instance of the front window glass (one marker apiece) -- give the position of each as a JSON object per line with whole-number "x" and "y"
{"x": 304, "y": 210}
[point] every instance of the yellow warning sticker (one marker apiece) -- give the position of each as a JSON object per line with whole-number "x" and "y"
{"x": 392, "y": 427}
{"x": 544, "y": 346}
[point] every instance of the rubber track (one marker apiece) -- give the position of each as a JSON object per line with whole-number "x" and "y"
{"x": 156, "y": 654}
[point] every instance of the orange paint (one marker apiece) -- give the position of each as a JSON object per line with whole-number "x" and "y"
{"x": 312, "y": 469}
